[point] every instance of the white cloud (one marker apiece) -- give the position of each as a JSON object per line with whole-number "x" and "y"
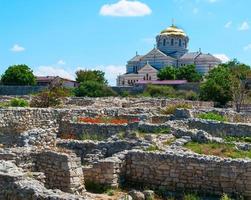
{"x": 17, "y": 48}
{"x": 228, "y": 24}
{"x": 248, "y": 47}
{"x": 224, "y": 58}
{"x": 54, "y": 71}
{"x": 244, "y": 26}
{"x": 61, "y": 62}
{"x": 126, "y": 8}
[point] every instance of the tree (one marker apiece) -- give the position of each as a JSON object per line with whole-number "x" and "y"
{"x": 188, "y": 73}
{"x": 225, "y": 83}
{"x": 93, "y": 89}
{"x": 91, "y": 75}
{"x": 167, "y": 73}
{"x": 217, "y": 86}
{"x": 18, "y": 75}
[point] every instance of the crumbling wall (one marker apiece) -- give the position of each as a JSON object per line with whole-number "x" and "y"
{"x": 62, "y": 170}
{"x": 182, "y": 171}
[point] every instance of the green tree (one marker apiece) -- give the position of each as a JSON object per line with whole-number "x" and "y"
{"x": 217, "y": 86}
{"x": 225, "y": 83}
{"x": 93, "y": 89}
{"x": 188, "y": 73}
{"x": 167, "y": 73}
{"x": 91, "y": 75}
{"x": 18, "y": 75}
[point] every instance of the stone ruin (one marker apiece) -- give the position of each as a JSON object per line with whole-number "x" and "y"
{"x": 50, "y": 154}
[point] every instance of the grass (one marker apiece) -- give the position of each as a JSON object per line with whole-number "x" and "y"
{"x": 169, "y": 110}
{"x": 159, "y": 131}
{"x": 152, "y": 148}
{"x": 121, "y": 135}
{"x": 169, "y": 141}
{"x": 212, "y": 116}
{"x": 238, "y": 139}
{"x": 98, "y": 188}
{"x": 218, "y": 149}
{"x": 93, "y": 136}
{"x": 191, "y": 197}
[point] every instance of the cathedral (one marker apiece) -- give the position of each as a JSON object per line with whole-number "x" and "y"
{"x": 171, "y": 50}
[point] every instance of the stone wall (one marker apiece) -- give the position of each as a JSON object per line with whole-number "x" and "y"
{"x": 62, "y": 170}
{"x": 178, "y": 172}
{"x": 109, "y": 171}
{"x": 15, "y": 184}
{"x": 216, "y": 128}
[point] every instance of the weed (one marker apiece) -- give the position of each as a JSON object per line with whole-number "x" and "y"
{"x": 212, "y": 116}
{"x": 169, "y": 110}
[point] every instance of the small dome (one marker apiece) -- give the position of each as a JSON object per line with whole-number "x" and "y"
{"x": 174, "y": 31}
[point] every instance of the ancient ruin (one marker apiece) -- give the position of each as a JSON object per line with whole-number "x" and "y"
{"x": 143, "y": 146}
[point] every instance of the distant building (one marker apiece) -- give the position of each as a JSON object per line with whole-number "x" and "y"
{"x": 171, "y": 50}
{"x": 53, "y": 80}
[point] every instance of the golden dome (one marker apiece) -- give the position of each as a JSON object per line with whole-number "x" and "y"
{"x": 174, "y": 31}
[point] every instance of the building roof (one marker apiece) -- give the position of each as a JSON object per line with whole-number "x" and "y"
{"x": 156, "y": 52}
{"x": 166, "y": 82}
{"x": 135, "y": 58}
{"x": 207, "y": 58}
{"x": 173, "y": 31}
{"x": 199, "y": 56}
{"x": 50, "y": 78}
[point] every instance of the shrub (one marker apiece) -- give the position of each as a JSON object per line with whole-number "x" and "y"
{"x": 159, "y": 91}
{"x": 94, "y": 89}
{"x": 212, "y": 116}
{"x": 191, "y": 197}
{"x": 225, "y": 197}
{"x": 171, "y": 109}
{"x": 49, "y": 97}
{"x": 16, "y": 102}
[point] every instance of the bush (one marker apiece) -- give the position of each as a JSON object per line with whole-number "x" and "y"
{"x": 16, "y": 102}
{"x": 188, "y": 95}
{"x": 212, "y": 116}
{"x": 49, "y": 98}
{"x": 225, "y": 197}
{"x": 171, "y": 109}
{"x": 159, "y": 91}
{"x": 191, "y": 197}
{"x": 93, "y": 89}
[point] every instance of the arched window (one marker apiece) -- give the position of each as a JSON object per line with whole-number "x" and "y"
{"x": 172, "y": 41}
{"x": 150, "y": 78}
{"x": 164, "y": 42}
{"x": 147, "y": 77}
{"x": 180, "y": 42}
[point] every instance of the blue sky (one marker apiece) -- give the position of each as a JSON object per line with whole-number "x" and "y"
{"x": 57, "y": 37}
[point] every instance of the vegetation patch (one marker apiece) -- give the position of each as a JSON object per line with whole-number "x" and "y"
{"x": 218, "y": 149}
{"x": 96, "y": 188}
{"x": 238, "y": 139}
{"x": 106, "y": 120}
{"x": 92, "y": 136}
{"x": 152, "y": 148}
{"x": 212, "y": 116}
{"x": 169, "y": 110}
{"x": 158, "y": 131}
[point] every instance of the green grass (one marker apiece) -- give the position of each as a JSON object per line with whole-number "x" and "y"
{"x": 218, "y": 149}
{"x": 169, "y": 141}
{"x": 92, "y": 136}
{"x": 238, "y": 139}
{"x": 158, "y": 131}
{"x": 191, "y": 197}
{"x": 212, "y": 116}
{"x": 152, "y": 148}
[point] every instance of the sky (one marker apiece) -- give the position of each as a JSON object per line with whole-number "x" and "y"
{"x": 59, "y": 37}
